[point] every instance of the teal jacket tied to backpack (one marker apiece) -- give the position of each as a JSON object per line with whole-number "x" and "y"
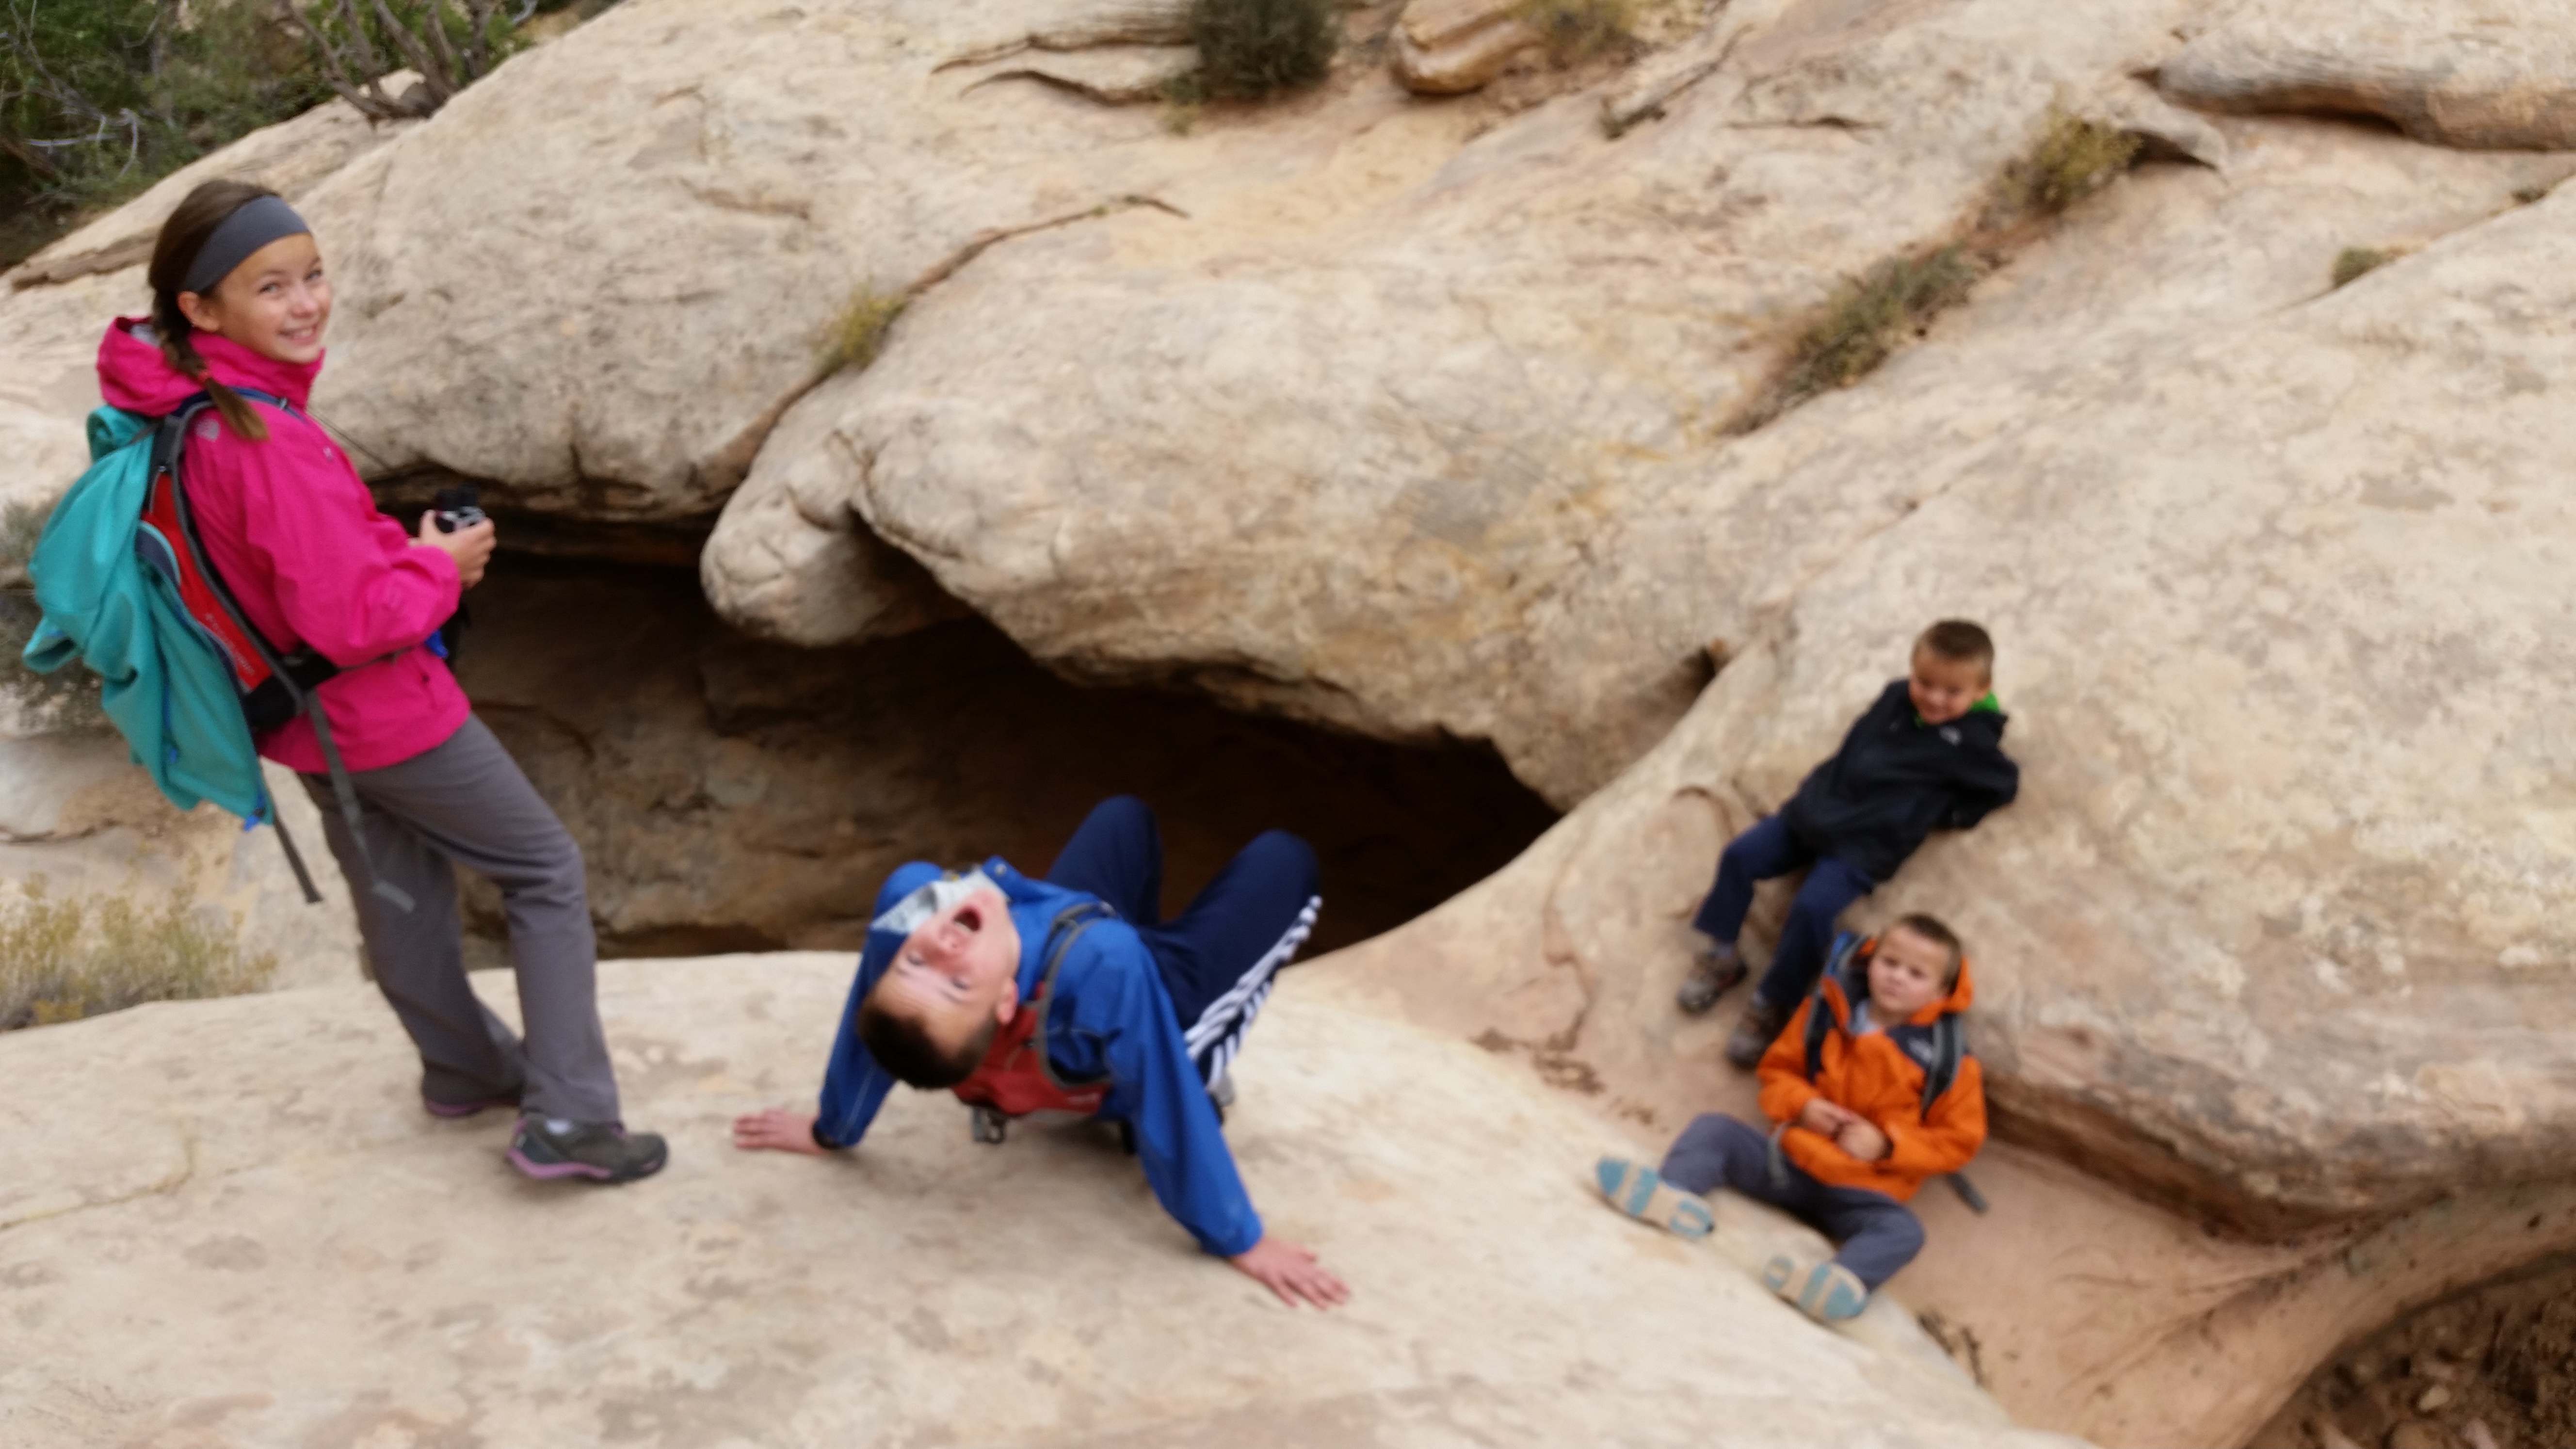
{"x": 178, "y": 707}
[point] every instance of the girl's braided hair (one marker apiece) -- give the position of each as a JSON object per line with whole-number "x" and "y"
{"x": 183, "y": 236}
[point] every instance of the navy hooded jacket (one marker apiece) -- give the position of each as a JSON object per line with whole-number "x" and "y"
{"x": 1896, "y": 780}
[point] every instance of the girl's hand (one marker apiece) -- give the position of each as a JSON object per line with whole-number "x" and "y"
{"x": 470, "y": 547}
{"x": 1292, "y": 1273}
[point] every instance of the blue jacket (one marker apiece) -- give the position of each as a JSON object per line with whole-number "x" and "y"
{"x": 1109, "y": 1016}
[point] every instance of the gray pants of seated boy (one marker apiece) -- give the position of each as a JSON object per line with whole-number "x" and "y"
{"x": 466, "y": 803}
{"x": 1874, "y": 1233}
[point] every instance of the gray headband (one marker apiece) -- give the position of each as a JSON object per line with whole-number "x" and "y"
{"x": 252, "y": 225}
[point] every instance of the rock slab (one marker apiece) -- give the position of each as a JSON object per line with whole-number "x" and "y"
{"x": 228, "y": 1223}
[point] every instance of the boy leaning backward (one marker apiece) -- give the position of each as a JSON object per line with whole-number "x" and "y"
{"x": 1869, "y": 1093}
{"x": 1927, "y": 755}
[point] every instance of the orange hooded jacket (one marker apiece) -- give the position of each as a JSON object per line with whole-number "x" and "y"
{"x": 1874, "y": 1076}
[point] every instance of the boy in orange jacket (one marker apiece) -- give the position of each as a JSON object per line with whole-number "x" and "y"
{"x": 1867, "y": 1103}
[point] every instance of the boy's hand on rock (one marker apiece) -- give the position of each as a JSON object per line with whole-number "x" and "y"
{"x": 777, "y": 1130}
{"x": 1863, "y": 1140}
{"x": 1826, "y": 1119}
{"x": 1291, "y": 1272}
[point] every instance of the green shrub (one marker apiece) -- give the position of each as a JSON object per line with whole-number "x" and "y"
{"x": 1869, "y": 317}
{"x": 1253, "y": 49}
{"x": 66, "y": 699}
{"x": 63, "y": 960}
{"x": 860, "y": 329}
{"x": 101, "y": 98}
{"x": 1579, "y": 29}
{"x": 2072, "y": 158}
{"x": 2354, "y": 263}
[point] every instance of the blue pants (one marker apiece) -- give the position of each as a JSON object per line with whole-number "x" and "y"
{"x": 1772, "y": 849}
{"x": 1219, "y": 957}
{"x": 1873, "y": 1233}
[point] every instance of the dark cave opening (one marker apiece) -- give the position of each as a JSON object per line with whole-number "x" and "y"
{"x": 731, "y": 794}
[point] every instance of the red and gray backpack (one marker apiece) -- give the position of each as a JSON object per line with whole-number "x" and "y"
{"x": 1937, "y": 1049}
{"x": 1017, "y": 1078}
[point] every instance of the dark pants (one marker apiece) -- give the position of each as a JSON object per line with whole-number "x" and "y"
{"x": 1218, "y": 957}
{"x": 466, "y": 803}
{"x": 1874, "y": 1234}
{"x": 1772, "y": 849}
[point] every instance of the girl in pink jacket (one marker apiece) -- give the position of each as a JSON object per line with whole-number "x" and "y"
{"x": 239, "y": 306}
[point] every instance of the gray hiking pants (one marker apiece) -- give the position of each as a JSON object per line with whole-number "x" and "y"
{"x": 466, "y": 803}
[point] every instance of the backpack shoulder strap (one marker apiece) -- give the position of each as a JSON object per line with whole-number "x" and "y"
{"x": 1068, "y": 927}
{"x": 169, "y": 450}
{"x": 1820, "y": 1013}
{"x": 1949, "y": 1045}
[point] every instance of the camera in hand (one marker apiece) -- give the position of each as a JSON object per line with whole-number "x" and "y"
{"x": 457, "y": 508}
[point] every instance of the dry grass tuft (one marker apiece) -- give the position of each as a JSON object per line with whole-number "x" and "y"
{"x": 861, "y": 328}
{"x": 1250, "y": 50}
{"x": 64, "y": 960}
{"x": 1578, "y": 30}
{"x": 2354, "y": 263}
{"x": 1869, "y": 317}
{"x": 2072, "y": 158}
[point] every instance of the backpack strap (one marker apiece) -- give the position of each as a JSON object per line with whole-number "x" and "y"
{"x": 1820, "y": 1015}
{"x": 1949, "y": 1044}
{"x": 169, "y": 447}
{"x": 1069, "y": 925}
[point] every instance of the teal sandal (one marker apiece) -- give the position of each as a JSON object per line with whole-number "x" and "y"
{"x": 1827, "y": 1292}
{"x": 1641, "y": 1192}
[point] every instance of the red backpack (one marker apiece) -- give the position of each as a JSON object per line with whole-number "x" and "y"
{"x": 1017, "y": 1078}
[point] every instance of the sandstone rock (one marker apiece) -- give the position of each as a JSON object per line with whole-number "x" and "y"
{"x": 2472, "y": 73}
{"x": 1114, "y": 75}
{"x": 378, "y": 1275}
{"x": 1446, "y": 47}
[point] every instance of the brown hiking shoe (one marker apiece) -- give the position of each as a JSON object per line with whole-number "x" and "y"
{"x": 1754, "y": 1033}
{"x": 1712, "y": 975}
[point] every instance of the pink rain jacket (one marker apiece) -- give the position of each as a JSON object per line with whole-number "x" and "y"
{"x": 297, "y": 537}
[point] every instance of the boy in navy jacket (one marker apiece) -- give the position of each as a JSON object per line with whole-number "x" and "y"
{"x": 1072, "y": 993}
{"x": 1927, "y": 755}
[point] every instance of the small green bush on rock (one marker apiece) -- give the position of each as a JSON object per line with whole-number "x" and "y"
{"x": 2354, "y": 263}
{"x": 1868, "y": 318}
{"x": 2072, "y": 158}
{"x": 1252, "y": 49}
{"x": 63, "y": 960}
{"x": 1579, "y": 29}
{"x": 861, "y": 328}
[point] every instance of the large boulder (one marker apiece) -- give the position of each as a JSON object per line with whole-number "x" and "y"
{"x": 263, "y": 1239}
{"x": 1353, "y": 469}
{"x": 605, "y": 327}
